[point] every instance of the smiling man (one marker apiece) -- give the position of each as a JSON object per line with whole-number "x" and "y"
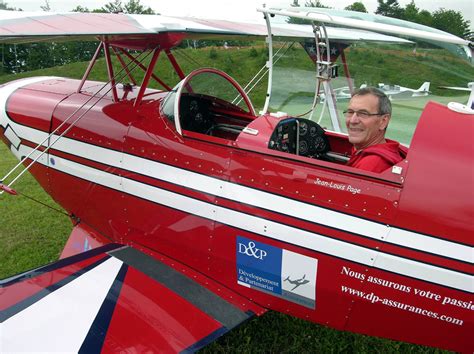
{"x": 367, "y": 118}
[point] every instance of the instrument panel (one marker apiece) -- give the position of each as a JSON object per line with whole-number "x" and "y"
{"x": 301, "y": 137}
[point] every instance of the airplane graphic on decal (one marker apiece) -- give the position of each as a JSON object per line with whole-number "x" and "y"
{"x": 297, "y": 282}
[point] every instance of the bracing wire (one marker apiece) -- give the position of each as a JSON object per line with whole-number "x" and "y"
{"x": 257, "y": 81}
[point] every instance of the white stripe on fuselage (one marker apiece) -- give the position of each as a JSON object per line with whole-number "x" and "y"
{"x": 265, "y": 200}
{"x": 60, "y": 321}
{"x": 237, "y": 193}
{"x": 261, "y": 199}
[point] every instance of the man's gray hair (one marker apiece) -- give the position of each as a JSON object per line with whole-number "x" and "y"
{"x": 385, "y": 106}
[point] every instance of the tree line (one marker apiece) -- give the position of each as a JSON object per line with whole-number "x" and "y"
{"x": 24, "y": 57}
{"x": 450, "y": 21}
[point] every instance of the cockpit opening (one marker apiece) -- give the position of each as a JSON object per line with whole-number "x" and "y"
{"x": 210, "y": 102}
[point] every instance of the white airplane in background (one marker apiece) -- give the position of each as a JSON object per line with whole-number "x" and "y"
{"x": 344, "y": 93}
{"x": 400, "y": 91}
{"x": 341, "y": 93}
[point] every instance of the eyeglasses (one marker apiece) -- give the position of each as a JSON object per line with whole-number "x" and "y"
{"x": 361, "y": 114}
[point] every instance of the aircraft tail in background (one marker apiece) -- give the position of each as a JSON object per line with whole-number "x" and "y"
{"x": 424, "y": 90}
{"x": 425, "y": 86}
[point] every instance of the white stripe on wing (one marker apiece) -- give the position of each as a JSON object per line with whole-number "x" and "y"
{"x": 60, "y": 321}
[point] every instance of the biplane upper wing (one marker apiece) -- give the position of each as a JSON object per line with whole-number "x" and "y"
{"x": 379, "y": 24}
{"x": 18, "y": 26}
{"x": 116, "y": 298}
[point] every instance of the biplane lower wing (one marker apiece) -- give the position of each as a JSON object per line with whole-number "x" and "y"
{"x": 116, "y": 298}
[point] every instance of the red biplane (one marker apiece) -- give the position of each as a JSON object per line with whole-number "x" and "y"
{"x": 192, "y": 212}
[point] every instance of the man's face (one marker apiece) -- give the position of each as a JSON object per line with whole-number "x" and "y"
{"x": 369, "y": 130}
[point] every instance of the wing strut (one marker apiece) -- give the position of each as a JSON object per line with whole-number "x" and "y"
{"x": 175, "y": 64}
{"x": 141, "y": 66}
{"x": 89, "y": 68}
{"x": 110, "y": 70}
{"x": 269, "y": 62}
{"x": 148, "y": 74}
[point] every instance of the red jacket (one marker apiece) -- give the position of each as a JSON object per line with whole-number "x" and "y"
{"x": 376, "y": 158}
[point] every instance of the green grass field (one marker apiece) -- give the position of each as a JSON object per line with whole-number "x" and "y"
{"x": 32, "y": 235}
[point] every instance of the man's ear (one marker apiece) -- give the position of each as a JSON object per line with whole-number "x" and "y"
{"x": 384, "y": 122}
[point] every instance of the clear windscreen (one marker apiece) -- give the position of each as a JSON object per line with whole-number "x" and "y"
{"x": 294, "y": 80}
{"x": 410, "y": 73}
{"x": 211, "y": 84}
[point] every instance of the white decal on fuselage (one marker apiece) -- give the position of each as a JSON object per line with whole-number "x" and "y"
{"x": 337, "y": 186}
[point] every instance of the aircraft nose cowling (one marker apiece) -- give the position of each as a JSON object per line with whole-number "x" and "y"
{"x": 26, "y": 108}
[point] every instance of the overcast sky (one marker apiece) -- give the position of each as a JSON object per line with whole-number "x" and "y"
{"x": 236, "y": 8}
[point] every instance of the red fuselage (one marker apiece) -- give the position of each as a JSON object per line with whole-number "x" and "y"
{"x": 385, "y": 254}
